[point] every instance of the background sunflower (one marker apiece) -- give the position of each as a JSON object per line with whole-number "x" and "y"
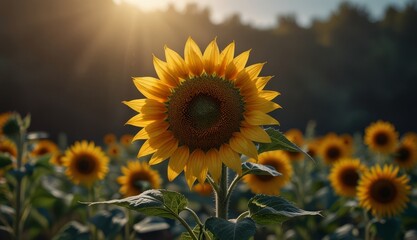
{"x": 382, "y": 192}
{"x": 381, "y": 137}
{"x": 344, "y": 176}
{"x": 85, "y": 163}
{"x": 268, "y": 184}
{"x": 138, "y": 177}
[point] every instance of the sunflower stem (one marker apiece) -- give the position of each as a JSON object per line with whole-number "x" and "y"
{"x": 222, "y": 204}
{"x": 185, "y": 224}
{"x": 127, "y": 225}
{"x": 195, "y": 216}
{"x": 20, "y": 141}
{"x": 232, "y": 187}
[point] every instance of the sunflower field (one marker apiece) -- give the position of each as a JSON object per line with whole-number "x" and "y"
{"x": 208, "y": 161}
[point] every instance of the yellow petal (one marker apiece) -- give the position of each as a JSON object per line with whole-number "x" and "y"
{"x": 197, "y": 165}
{"x": 152, "y": 88}
{"x": 140, "y": 120}
{"x": 254, "y": 70}
{"x": 226, "y": 56}
{"x": 153, "y": 144}
{"x": 230, "y": 158}
{"x": 214, "y": 164}
{"x": 255, "y": 133}
{"x": 164, "y": 152}
{"x": 177, "y": 162}
{"x": 268, "y": 95}
{"x": 211, "y": 57}
{"x": 162, "y": 70}
{"x": 136, "y": 104}
{"x": 236, "y": 65}
{"x": 176, "y": 64}
{"x": 262, "y": 105}
{"x": 189, "y": 176}
{"x": 260, "y": 118}
{"x": 151, "y": 130}
{"x": 193, "y": 57}
{"x": 262, "y": 81}
{"x": 243, "y": 145}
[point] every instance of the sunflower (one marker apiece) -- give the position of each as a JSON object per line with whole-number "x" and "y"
{"x": 204, "y": 110}
{"x": 126, "y": 140}
{"x": 382, "y": 192}
{"x": 410, "y": 136}
{"x": 332, "y": 148}
{"x": 4, "y": 117}
{"x": 57, "y": 159}
{"x": 114, "y": 151}
{"x": 344, "y": 176}
{"x": 313, "y": 147}
{"x": 43, "y": 147}
{"x": 85, "y": 163}
{"x": 138, "y": 177}
{"x": 381, "y": 137}
{"x": 406, "y": 154}
{"x": 109, "y": 138}
{"x": 296, "y": 137}
{"x": 348, "y": 141}
{"x": 268, "y": 184}
{"x": 7, "y": 146}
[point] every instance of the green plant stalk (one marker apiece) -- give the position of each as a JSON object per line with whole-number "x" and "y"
{"x": 222, "y": 203}
{"x": 127, "y": 225}
{"x": 18, "y": 190}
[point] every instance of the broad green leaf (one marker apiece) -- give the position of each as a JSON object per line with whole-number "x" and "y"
{"x": 161, "y": 202}
{"x": 279, "y": 142}
{"x": 259, "y": 169}
{"x": 266, "y": 209}
{"x": 5, "y": 160}
{"x": 227, "y": 230}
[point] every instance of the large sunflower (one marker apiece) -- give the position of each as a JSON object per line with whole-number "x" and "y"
{"x": 344, "y": 176}
{"x": 138, "y": 177}
{"x": 382, "y": 192}
{"x": 86, "y": 163}
{"x": 381, "y": 137}
{"x": 406, "y": 153}
{"x": 204, "y": 110}
{"x": 332, "y": 148}
{"x": 268, "y": 184}
{"x": 4, "y": 117}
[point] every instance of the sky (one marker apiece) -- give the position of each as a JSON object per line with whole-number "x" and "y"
{"x": 263, "y": 13}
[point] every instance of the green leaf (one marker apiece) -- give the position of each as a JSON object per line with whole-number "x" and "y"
{"x": 266, "y": 209}
{"x": 259, "y": 169}
{"x": 227, "y": 230}
{"x": 161, "y": 202}
{"x": 280, "y": 142}
{"x": 5, "y": 160}
{"x": 200, "y": 233}
{"x": 109, "y": 222}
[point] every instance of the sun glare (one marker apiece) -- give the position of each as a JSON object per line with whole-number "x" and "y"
{"x": 149, "y": 5}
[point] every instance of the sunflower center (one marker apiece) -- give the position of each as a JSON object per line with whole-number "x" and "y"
{"x": 383, "y": 191}
{"x": 43, "y": 150}
{"x": 86, "y": 164}
{"x": 204, "y": 112}
{"x": 140, "y": 182}
{"x": 266, "y": 178}
{"x": 350, "y": 177}
{"x": 381, "y": 138}
{"x": 333, "y": 153}
{"x": 403, "y": 154}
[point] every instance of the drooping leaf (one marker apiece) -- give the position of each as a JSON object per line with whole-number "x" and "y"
{"x": 279, "y": 142}
{"x": 161, "y": 202}
{"x": 259, "y": 169}
{"x": 73, "y": 230}
{"x": 266, "y": 209}
{"x": 228, "y": 230}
